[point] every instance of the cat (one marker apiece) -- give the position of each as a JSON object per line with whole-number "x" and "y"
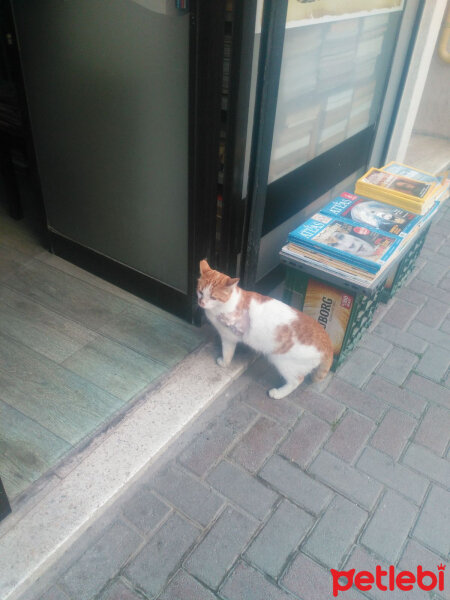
{"x": 292, "y": 341}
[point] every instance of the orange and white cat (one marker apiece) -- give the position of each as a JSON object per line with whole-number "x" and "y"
{"x": 294, "y": 342}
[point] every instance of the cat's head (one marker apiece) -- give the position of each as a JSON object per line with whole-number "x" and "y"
{"x": 213, "y": 288}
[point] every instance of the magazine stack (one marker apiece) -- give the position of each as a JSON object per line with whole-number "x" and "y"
{"x": 401, "y": 186}
{"x": 358, "y": 237}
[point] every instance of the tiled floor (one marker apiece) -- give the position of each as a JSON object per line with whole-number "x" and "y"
{"x": 74, "y": 350}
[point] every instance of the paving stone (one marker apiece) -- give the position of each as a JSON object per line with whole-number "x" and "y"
{"x": 389, "y": 526}
{"x": 119, "y": 591}
{"x": 160, "y": 557}
{"x": 279, "y": 538}
{"x": 405, "y": 339}
{"x": 393, "y": 433}
{"x": 185, "y": 587}
{"x": 309, "y": 581}
{"x": 400, "y": 313}
{"x": 342, "y": 477}
{"x": 397, "y": 365}
{"x": 445, "y": 327}
{"x": 144, "y": 510}
{"x": 415, "y": 554}
{"x": 406, "y": 293}
{"x": 385, "y": 390}
{"x": 356, "y": 399}
{"x": 305, "y": 440}
{"x": 91, "y": 572}
{"x": 54, "y": 593}
{"x": 400, "y": 478}
{"x": 184, "y": 492}
{"x": 245, "y": 583}
{"x": 209, "y": 446}
{"x": 430, "y": 290}
{"x": 320, "y": 405}
{"x": 429, "y": 390}
{"x": 243, "y": 489}
{"x": 433, "y": 273}
{"x": 336, "y": 531}
{"x": 217, "y": 552}
{"x": 434, "y": 363}
{"x": 423, "y": 460}
{"x": 433, "y": 336}
{"x": 350, "y": 436}
{"x": 295, "y": 484}
{"x": 359, "y": 366}
{"x": 433, "y": 313}
{"x": 376, "y": 344}
{"x": 257, "y": 444}
{"x": 433, "y": 525}
{"x": 281, "y": 410}
{"x": 434, "y": 430}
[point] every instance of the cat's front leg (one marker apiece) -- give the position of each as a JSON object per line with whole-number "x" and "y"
{"x": 228, "y": 348}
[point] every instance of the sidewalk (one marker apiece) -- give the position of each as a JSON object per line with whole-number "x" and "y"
{"x": 260, "y": 498}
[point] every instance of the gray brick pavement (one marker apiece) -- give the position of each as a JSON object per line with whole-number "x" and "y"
{"x": 271, "y": 494}
{"x": 296, "y": 485}
{"x": 390, "y": 526}
{"x": 279, "y": 538}
{"x": 335, "y": 532}
{"x": 221, "y": 547}
{"x": 305, "y": 440}
{"x": 393, "y": 433}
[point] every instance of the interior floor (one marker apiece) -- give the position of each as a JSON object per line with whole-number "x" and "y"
{"x": 74, "y": 351}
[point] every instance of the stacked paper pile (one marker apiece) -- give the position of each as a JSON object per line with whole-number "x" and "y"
{"x": 358, "y": 237}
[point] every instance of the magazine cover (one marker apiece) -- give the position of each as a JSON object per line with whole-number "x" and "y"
{"x": 379, "y": 215}
{"x": 397, "y": 185}
{"x": 365, "y": 247}
{"x": 410, "y": 172}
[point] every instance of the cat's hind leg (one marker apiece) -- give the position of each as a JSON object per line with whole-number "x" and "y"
{"x": 228, "y": 348}
{"x": 285, "y": 389}
{"x": 322, "y": 370}
{"x": 288, "y": 369}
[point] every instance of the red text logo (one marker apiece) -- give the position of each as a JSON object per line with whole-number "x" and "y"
{"x": 388, "y": 580}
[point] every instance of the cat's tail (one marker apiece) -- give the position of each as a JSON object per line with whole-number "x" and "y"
{"x": 322, "y": 370}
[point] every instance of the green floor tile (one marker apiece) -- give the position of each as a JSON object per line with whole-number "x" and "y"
{"x": 149, "y": 333}
{"x": 27, "y": 450}
{"x": 66, "y": 404}
{"x": 10, "y": 261}
{"x": 39, "y": 328}
{"x": 115, "y": 368}
{"x": 65, "y": 294}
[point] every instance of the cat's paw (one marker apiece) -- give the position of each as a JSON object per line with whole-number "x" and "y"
{"x": 221, "y": 362}
{"x": 275, "y": 393}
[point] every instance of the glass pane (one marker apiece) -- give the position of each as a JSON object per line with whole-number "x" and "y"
{"x": 333, "y": 76}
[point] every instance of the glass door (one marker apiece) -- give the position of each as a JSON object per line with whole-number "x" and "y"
{"x": 328, "y": 87}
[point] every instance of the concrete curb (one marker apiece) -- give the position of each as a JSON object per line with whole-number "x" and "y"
{"x": 40, "y": 537}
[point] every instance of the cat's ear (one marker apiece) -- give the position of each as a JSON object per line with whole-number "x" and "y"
{"x": 232, "y": 282}
{"x": 204, "y": 267}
